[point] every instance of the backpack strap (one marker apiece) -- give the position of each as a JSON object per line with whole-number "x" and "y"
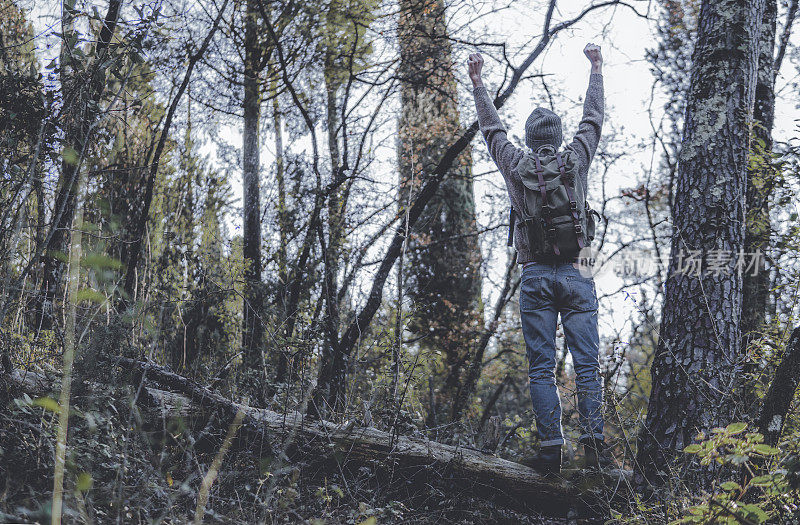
{"x": 573, "y": 204}
{"x": 511, "y": 223}
{"x": 545, "y": 209}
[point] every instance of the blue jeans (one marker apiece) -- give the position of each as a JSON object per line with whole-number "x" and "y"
{"x": 547, "y": 290}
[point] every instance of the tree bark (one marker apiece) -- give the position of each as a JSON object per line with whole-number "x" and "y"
{"x": 444, "y": 259}
{"x": 283, "y": 226}
{"x": 755, "y": 285}
{"x": 70, "y": 340}
{"x": 411, "y": 459}
{"x": 253, "y": 331}
{"x": 79, "y": 94}
{"x": 333, "y": 362}
{"x": 694, "y": 370}
{"x": 781, "y": 392}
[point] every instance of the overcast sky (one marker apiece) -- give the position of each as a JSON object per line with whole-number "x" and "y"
{"x": 623, "y": 37}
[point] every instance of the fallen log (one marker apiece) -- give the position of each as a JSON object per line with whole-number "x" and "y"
{"x": 164, "y": 394}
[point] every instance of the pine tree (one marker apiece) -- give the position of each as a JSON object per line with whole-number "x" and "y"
{"x": 253, "y": 329}
{"x": 444, "y": 260}
{"x": 693, "y": 370}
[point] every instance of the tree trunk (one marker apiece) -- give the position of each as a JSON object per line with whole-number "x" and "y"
{"x": 781, "y": 392}
{"x": 283, "y": 227}
{"x": 758, "y": 227}
{"x": 79, "y": 95}
{"x": 444, "y": 260}
{"x": 343, "y": 29}
{"x": 755, "y": 285}
{"x": 253, "y": 330}
{"x": 70, "y": 341}
{"x": 346, "y": 446}
{"x": 334, "y": 363}
{"x": 139, "y": 228}
{"x": 694, "y": 370}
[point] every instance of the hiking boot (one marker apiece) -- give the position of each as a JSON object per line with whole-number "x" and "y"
{"x": 596, "y": 454}
{"x": 546, "y": 461}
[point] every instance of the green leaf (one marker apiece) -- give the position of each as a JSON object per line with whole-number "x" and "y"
{"x": 766, "y": 450}
{"x": 100, "y": 261}
{"x": 58, "y": 255}
{"x": 48, "y": 403}
{"x": 84, "y": 482}
{"x": 693, "y": 449}
{"x": 754, "y": 511}
{"x": 761, "y": 480}
{"x": 87, "y": 294}
{"x": 736, "y": 428}
{"x": 738, "y": 459}
{"x": 70, "y": 156}
{"x": 730, "y": 485}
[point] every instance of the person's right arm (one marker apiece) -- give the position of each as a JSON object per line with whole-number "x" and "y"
{"x": 503, "y": 152}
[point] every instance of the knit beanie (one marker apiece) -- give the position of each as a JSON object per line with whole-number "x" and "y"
{"x": 543, "y": 127}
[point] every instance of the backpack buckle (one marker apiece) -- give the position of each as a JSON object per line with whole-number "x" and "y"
{"x": 578, "y": 228}
{"x": 573, "y": 205}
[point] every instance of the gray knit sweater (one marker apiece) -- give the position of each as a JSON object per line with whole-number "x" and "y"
{"x": 506, "y": 155}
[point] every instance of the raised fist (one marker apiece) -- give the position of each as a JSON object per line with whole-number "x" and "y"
{"x": 475, "y": 66}
{"x": 593, "y": 53}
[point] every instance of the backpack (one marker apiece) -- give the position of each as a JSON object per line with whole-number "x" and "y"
{"x": 558, "y": 221}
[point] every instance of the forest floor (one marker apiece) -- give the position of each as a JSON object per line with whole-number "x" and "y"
{"x": 121, "y": 469}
